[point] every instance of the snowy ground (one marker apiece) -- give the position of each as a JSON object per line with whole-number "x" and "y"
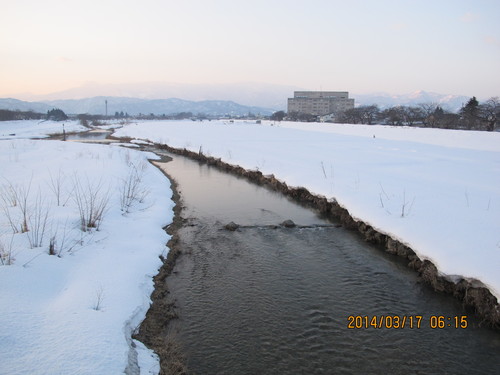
{"x": 436, "y": 190}
{"x": 74, "y": 312}
{"x": 36, "y": 128}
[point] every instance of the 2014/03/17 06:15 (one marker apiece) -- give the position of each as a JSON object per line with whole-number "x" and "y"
{"x": 406, "y": 321}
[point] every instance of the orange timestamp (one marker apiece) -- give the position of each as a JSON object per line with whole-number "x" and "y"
{"x": 406, "y": 321}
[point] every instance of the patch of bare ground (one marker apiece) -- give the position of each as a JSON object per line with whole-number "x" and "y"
{"x": 153, "y": 330}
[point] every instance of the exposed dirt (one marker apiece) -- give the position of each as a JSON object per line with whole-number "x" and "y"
{"x": 153, "y": 330}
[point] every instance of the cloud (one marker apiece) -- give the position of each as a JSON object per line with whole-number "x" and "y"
{"x": 469, "y": 17}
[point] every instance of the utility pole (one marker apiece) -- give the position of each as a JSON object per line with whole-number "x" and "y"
{"x": 106, "y": 101}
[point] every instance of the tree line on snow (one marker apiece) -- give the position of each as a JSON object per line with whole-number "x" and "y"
{"x": 472, "y": 116}
{"x": 54, "y": 114}
{"x": 87, "y": 119}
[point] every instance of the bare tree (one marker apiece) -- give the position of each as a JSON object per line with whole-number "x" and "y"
{"x": 412, "y": 115}
{"x": 369, "y": 113}
{"x": 393, "y": 115}
{"x": 489, "y": 112}
{"x": 428, "y": 110}
{"x": 365, "y": 114}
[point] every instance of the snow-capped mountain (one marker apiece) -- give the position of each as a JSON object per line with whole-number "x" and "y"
{"x": 383, "y": 100}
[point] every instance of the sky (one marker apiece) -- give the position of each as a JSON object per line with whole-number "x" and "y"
{"x": 393, "y": 46}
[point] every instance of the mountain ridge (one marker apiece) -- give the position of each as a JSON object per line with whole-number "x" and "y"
{"x": 246, "y": 93}
{"x": 254, "y": 94}
{"x": 99, "y": 105}
{"x": 212, "y": 104}
{"x": 383, "y": 100}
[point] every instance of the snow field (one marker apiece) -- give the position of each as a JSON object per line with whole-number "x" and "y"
{"x": 36, "y": 128}
{"x": 74, "y": 312}
{"x": 438, "y": 191}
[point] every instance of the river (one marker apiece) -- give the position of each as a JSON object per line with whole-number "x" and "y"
{"x": 266, "y": 299}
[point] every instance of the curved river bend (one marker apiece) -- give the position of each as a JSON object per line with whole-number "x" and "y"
{"x": 276, "y": 301}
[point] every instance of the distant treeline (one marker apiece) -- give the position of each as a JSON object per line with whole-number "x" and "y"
{"x": 472, "y": 116}
{"x": 86, "y": 119}
{"x": 7, "y": 115}
{"x": 54, "y": 114}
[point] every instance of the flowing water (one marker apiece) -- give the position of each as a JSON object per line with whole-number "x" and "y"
{"x": 96, "y": 135}
{"x": 276, "y": 301}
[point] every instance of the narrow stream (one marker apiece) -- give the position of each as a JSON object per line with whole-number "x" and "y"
{"x": 277, "y": 301}
{"x": 95, "y": 135}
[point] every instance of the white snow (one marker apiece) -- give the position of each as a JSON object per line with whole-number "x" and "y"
{"x": 74, "y": 312}
{"x": 36, "y": 128}
{"x": 436, "y": 190}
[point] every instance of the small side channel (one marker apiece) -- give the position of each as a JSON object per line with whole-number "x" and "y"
{"x": 266, "y": 299}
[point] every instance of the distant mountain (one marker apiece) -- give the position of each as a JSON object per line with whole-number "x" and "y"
{"x": 250, "y": 94}
{"x": 215, "y": 100}
{"x": 449, "y": 102}
{"x": 134, "y": 106}
{"x": 19, "y": 105}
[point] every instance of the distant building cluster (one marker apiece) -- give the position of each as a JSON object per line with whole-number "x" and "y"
{"x": 319, "y": 103}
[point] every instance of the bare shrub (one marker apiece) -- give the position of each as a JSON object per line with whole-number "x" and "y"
{"x": 23, "y": 193}
{"x": 99, "y": 298}
{"x": 323, "y": 169}
{"x": 383, "y": 195}
{"x": 56, "y": 184}
{"x": 9, "y": 194}
{"x": 10, "y": 219}
{"x": 406, "y": 206}
{"x": 62, "y": 241}
{"x": 92, "y": 202}
{"x": 16, "y": 196}
{"x": 52, "y": 245}
{"x": 38, "y": 222}
{"x": 127, "y": 157}
{"x": 132, "y": 189}
{"x": 6, "y": 256}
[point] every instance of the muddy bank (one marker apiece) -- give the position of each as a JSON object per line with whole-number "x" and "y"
{"x": 153, "y": 330}
{"x": 471, "y": 293}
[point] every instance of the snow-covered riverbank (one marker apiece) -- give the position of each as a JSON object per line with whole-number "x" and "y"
{"x": 36, "y": 128}
{"x": 438, "y": 191}
{"x": 74, "y": 312}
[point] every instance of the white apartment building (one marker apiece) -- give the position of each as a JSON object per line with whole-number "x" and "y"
{"x": 320, "y": 103}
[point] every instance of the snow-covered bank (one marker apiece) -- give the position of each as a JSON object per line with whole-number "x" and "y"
{"x": 74, "y": 312}
{"x": 37, "y": 128}
{"x": 438, "y": 191}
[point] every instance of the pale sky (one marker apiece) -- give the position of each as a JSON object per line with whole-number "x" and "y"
{"x": 394, "y": 46}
